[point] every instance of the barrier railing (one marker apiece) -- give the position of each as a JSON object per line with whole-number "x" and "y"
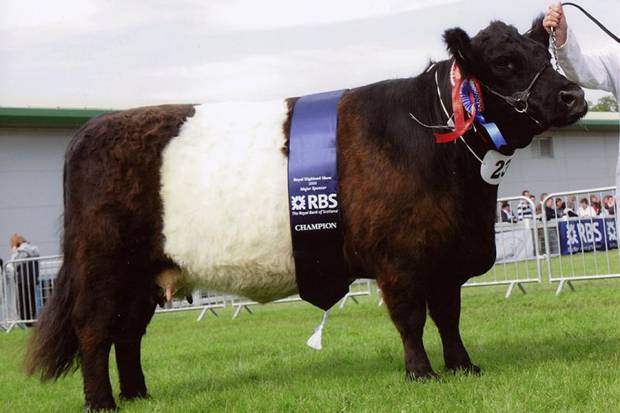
{"x": 359, "y": 287}
{"x": 581, "y": 240}
{"x": 25, "y": 287}
{"x": 241, "y": 303}
{"x": 202, "y": 300}
{"x": 518, "y": 260}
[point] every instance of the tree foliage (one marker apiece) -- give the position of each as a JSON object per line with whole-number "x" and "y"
{"x": 605, "y": 104}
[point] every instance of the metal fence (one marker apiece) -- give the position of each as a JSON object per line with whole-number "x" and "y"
{"x": 26, "y": 284}
{"x": 360, "y": 287}
{"x": 581, "y": 241}
{"x": 202, "y": 300}
{"x": 518, "y": 260}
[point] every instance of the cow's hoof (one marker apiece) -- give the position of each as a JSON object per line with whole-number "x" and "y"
{"x": 133, "y": 396}
{"x": 421, "y": 375}
{"x": 102, "y": 407}
{"x": 470, "y": 369}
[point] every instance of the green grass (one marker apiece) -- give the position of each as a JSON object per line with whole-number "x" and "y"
{"x": 538, "y": 352}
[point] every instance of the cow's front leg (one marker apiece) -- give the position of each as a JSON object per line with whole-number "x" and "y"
{"x": 444, "y": 303}
{"x": 407, "y": 306}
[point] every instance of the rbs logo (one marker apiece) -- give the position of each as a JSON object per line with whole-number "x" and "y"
{"x": 311, "y": 202}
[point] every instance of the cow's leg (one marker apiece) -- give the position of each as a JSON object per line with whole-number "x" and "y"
{"x": 130, "y": 369}
{"x": 444, "y": 303}
{"x": 407, "y": 306}
{"x": 98, "y": 315}
{"x": 94, "y": 348}
{"x": 134, "y": 317}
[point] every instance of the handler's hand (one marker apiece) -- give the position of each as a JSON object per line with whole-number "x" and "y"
{"x": 556, "y": 19}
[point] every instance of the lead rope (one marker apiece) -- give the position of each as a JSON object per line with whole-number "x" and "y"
{"x": 589, "y": 16}
{"x": 594, "y": 19}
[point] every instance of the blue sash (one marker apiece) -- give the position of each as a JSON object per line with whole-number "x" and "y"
{"x": 320, "y": 267}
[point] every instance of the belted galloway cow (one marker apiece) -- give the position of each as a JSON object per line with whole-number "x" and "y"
{"x": 160, "y": 200}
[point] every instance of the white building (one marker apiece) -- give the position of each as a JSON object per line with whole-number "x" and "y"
{"x": 33, "y": 141}
{"x": 580, "y": 156}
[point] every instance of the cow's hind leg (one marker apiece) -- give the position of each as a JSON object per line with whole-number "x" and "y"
{"x": 406, "y": 303}
{"x": 127, "y": 340}
{"x": 97, "y": 387}
{"x": 444, "y": 303}
{"x": 93, "y": 315}
{"x": 115, "y": 308}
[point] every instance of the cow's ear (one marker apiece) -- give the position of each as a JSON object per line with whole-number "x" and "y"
{"x": 537, "y": 32}
{"x": 460, "y": 47}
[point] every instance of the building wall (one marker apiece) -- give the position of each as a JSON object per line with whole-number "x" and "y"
{"x": 31, "y": 186}
{"x": 580, "y": 160}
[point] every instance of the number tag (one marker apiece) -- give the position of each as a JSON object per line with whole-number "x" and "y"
{"x": 494, "y": 167}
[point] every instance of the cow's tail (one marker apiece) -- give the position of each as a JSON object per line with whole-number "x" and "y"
{"x": 53, "y": 346}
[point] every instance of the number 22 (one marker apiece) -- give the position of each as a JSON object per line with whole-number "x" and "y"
{"x": 502, "y": 168}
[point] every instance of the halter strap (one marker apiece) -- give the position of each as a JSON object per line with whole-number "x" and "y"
{"x": 519, "y": 100}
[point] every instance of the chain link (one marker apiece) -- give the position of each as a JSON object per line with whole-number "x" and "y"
{"x": 555, "y": 50}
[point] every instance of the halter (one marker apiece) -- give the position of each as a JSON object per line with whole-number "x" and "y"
{"x": 519, "y": 100}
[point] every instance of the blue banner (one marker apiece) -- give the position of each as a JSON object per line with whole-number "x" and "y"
{"x": 587, "y": 234}
{"x": 318, "y": 241}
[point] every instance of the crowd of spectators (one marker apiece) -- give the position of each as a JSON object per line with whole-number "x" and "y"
{"x": 556, "y": 208}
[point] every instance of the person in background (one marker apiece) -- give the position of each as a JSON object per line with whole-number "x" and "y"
{"x": 550, "y": 211}
{"x": 571, "y": 206}
{"x": 524, "y": 209}
{"x": 610, "y": 205}
{"x": 596, "y": 204}
{"x": 604, "y": 208}
{"x": 593, "y": 70}
{"x": 26, "y": 276}
{"x": 540, "y": 204}
{"x": 506, "y": 213}
{"x": 560, "y": 208}
{"x": 585, "y": 210}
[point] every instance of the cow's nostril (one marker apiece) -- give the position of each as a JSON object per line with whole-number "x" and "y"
{"x": 568, "y": 97}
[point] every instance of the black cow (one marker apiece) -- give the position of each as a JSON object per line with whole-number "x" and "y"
{"x": 416, "y": 214}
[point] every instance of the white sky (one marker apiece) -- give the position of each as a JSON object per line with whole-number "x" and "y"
{"x": 123, "y": 53}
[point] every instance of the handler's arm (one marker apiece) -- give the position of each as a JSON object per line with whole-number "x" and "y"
{"x": 599, "y": 70}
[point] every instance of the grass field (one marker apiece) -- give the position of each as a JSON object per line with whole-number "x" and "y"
{"x": 538, "y": 352}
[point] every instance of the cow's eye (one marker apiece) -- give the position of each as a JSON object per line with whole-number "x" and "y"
{"x": 504, "y": 63}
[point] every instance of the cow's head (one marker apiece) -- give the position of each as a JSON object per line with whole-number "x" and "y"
{"x": 507, "y": 63}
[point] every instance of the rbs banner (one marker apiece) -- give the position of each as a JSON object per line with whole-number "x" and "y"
{"x": 587, "y": 234}
{"x": 320, "y": 267}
